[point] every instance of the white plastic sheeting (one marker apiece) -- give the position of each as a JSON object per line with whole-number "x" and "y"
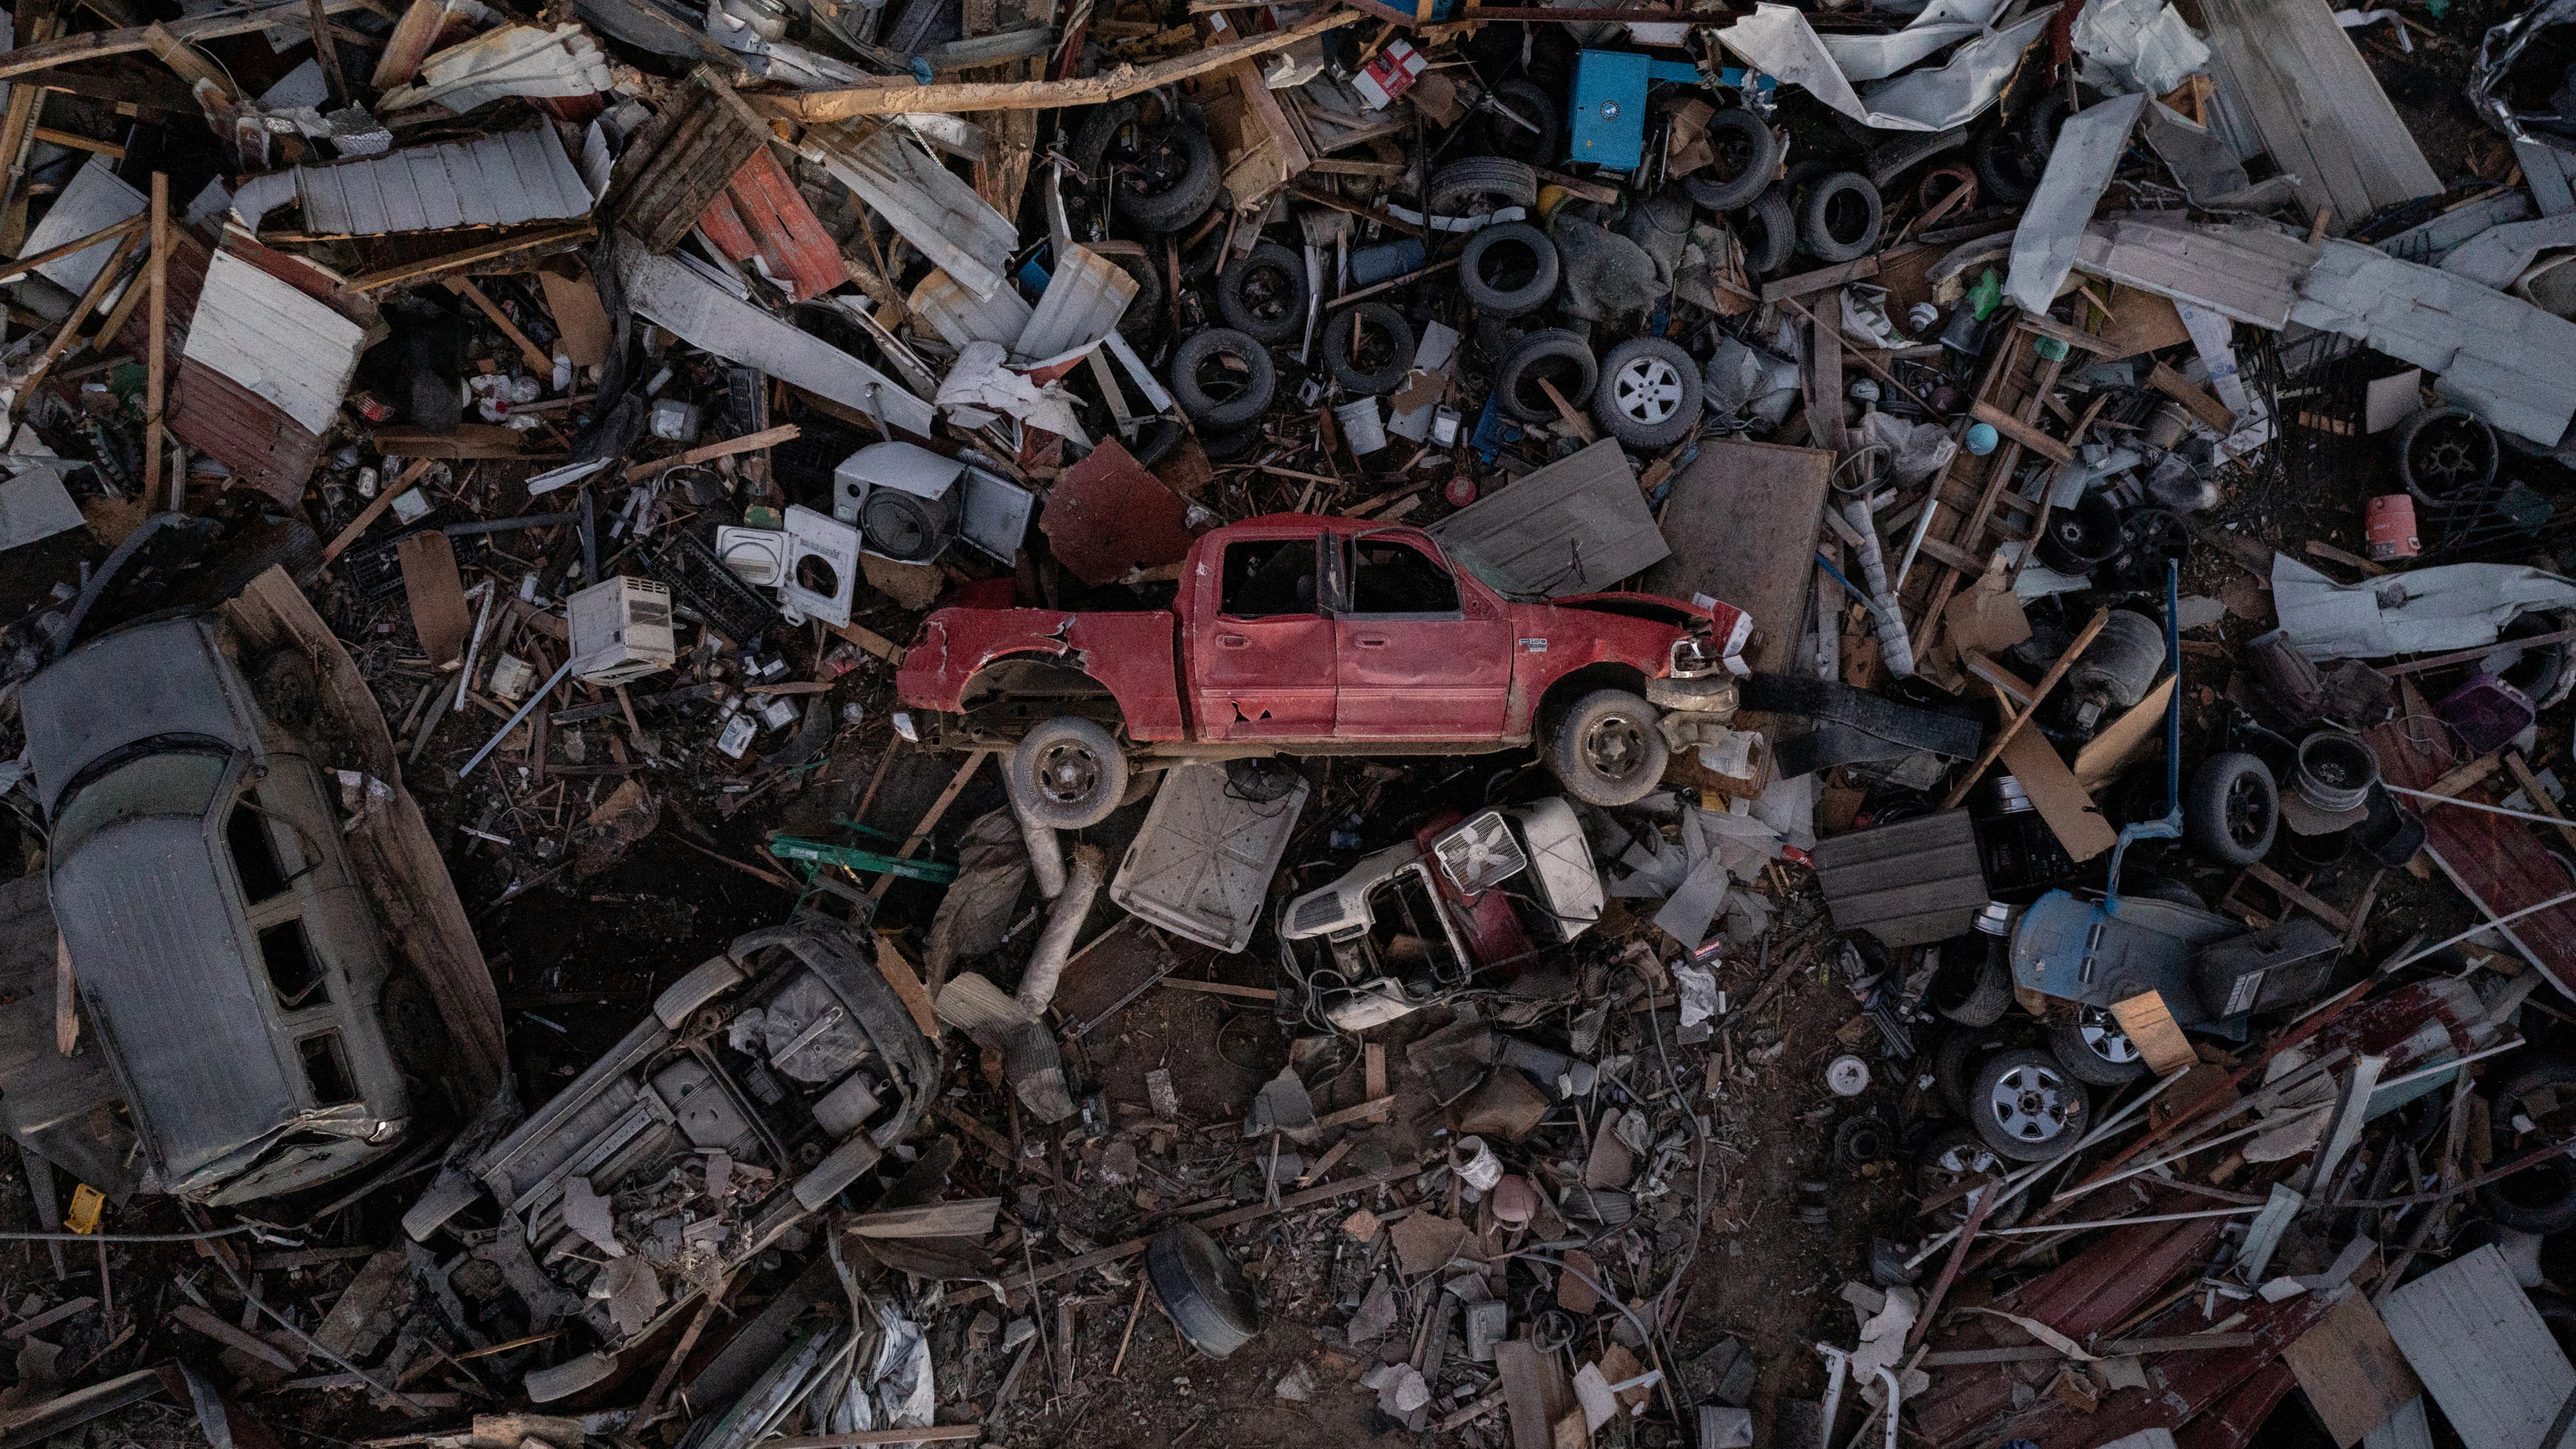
{"x": 2421, "y": 611}
{"x": 1778, "y": 41}
{"x": 2088, "y": 150}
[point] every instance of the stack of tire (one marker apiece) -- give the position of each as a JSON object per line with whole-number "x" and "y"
{"x": 1645, "y": 392}
{"x": 2024, "y": 1101}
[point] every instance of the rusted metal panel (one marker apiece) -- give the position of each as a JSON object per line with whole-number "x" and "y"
{"x": 762, "y": 213}
{"x": 245, "y": 432}
{"x": 2498, "y": 863}
{"x": 1107, "y": 514}
{"x": 2126, "y": 1269}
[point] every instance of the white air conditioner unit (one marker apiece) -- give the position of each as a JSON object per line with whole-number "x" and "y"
{"x": 621, "y": 630}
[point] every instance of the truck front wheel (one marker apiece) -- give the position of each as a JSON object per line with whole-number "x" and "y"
{"x": 1068, "y": 773}
{"x": 1607, "y": 750}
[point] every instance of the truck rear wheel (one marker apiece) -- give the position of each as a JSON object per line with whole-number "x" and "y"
{"x": 1607, "y": 750}
{"x": 1068, "y": 772}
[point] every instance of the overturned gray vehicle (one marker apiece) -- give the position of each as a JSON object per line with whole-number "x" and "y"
{"x": 764, "y": 1084}
{"x": 227, "y": 960}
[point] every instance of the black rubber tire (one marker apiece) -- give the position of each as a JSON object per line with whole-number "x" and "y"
{"x": 1617, "y": 771}
{"x": 1954, "y": 1066}
{"x": 1775, "y": 236}
{"x": 1974, "y": 988}
{"x": 2064, "y": 1110}
{"x": 1539, "y": 347}
{"x": 1186, "y": 199}
{"x": 2540, "y": 1198}
{"x": 1509, "y": 182}
{"x": 1068, "y": 772}
{"x": 1260, "y": 388}
{"x": 1515, "y": 143}
{"x": 1147, "y": 311}
{"x": 2047, "y": 118}
{"x": 2089, "y": 1043}
{"x": 2007, "y": 173}
{"x": 1202, "y": 1289}
{"x": 2231, "y": 809}
{"x": 1529, "y": 296}
{"x": 1088, "y": 146}
{"x": 1263, "y": 293}
{"x": 1337, "y": 348}
{"x": 1740, "y": 137}
{"x": 2477, "y": 456}
{"x": 1648, "y": 394}
{"x": 1835, "y": 194}
{"x": 1951, "y": 1156}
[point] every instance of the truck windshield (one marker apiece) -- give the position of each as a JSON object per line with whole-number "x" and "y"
{"x": 169, "y": 782}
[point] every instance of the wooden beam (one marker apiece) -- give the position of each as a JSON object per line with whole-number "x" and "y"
{"x": 455, "y": 261}
{"x": 22, "y": 267}
{"x": 80, "y": 143}
{"x": 930, "y": 818}
{"x": 815, "y": 107}
{"x": 2541, "y": 804}
{"x": 46, "y": 54}
{"x": 155, "y": 369}
{"x": 540, "y": 362}
{"x": 2004, "y": 736}
{"x": 1817, "y": 281}
{"x": 89, "y": 301}
{"x": 2047, "y": 326}
{"x": 2026, "y": 434}
{"x": 2200, "y": 404}
{"x": 375, "y": 510}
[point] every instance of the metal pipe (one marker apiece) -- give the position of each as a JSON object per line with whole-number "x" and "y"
{"x": 535, "y": 698}
{"x": 1046, "y": 853}
{"x": 1055, "y": 947}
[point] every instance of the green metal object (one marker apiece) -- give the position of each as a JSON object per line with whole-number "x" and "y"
{"x": 818, "y": 853}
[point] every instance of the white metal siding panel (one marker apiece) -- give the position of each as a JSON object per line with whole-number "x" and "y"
{"x": 272, "y": 339}
{"x": 1084, "y": 299}
{"x": 2482, "y": 1351}
{"x": 95, "y": 199}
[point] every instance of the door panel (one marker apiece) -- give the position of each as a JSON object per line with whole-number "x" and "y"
{"x": 1263, "y": 655}
{"x": 1416, "y": 656}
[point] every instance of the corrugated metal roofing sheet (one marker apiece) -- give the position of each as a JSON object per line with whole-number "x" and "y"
{"x": 1083, "y": 301}
{"x": 2483, "y": 1352}
{"x": 961, "y": 317}
{"x": 957, "y": 229}
{"x": 519, "y": 176}
{"x": 2505, "y": 359}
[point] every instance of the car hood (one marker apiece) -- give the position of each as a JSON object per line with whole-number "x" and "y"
{"x": 165, "y": 678}
{"x": 170, "y": 988}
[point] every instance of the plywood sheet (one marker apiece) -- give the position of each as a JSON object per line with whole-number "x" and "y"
{"x": 1742, "y": 521}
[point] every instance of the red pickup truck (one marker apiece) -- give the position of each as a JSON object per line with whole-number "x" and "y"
{"x": 1302, "y": 634}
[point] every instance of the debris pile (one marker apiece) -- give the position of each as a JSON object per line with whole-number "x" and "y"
{"x": 1026, "y": 723}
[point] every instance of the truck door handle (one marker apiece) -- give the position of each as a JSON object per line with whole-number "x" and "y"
{"x": 1232, "y": 641}
{"x": 1369, "y": 641}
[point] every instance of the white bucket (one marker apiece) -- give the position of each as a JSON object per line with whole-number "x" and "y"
{"x": 1362, "y": 427}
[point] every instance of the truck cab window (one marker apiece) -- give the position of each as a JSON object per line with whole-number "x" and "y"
{"x": 1269, "y": 576}
{"x": 1397, "y": 578}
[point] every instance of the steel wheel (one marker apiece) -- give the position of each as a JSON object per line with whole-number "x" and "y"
{"x": 1067, "y": 773}
{"x": 1616, "y": 746}
{"x": 2102, "y": 1033}
{"x": 1646, "y": 389}
{"x": 2029, "y": 1102}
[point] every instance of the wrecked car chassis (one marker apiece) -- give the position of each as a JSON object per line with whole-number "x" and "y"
{"x": 764, "y": 1083}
